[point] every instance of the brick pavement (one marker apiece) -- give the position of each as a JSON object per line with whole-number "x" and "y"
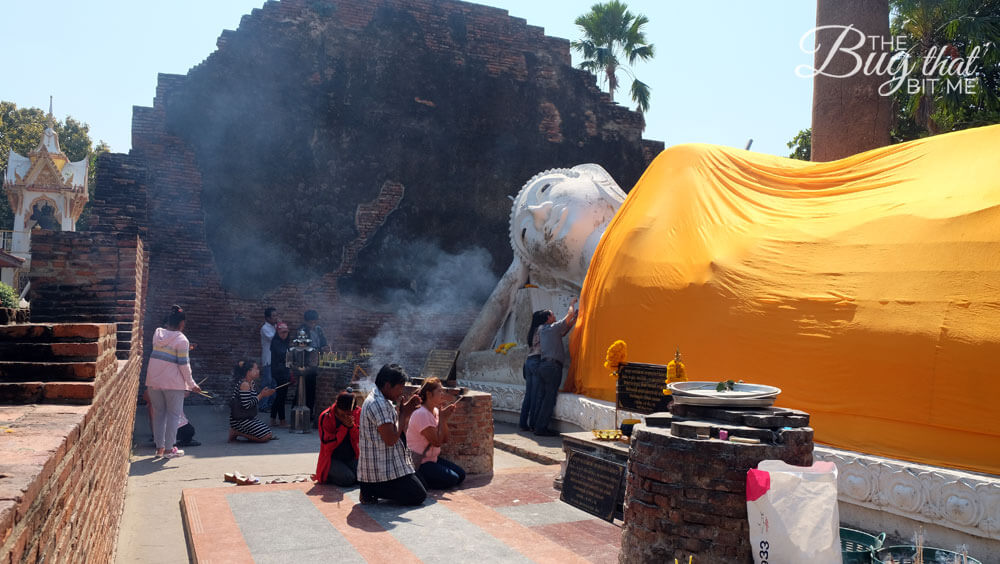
{"x": 512, "y": 516}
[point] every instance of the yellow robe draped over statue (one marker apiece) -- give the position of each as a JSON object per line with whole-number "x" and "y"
{"x": 867, "y": 289}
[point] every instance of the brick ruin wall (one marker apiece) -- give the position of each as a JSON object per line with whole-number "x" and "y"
{"x": 67, "y": 388}
{"x": 384, "y": 157}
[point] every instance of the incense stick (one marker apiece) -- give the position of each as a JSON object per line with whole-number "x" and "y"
{"x": 282, "y": 386}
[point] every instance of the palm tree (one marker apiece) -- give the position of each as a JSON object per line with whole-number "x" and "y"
{"x": 611, "y": 33}
{"x": 957, "y": 26}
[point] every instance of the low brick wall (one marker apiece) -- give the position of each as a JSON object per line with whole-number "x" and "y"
{"x": 64, "y": 461}
{"x": 687, "y": 496}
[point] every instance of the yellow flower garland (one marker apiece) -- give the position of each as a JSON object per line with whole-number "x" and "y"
{"x": 502, "y": 349}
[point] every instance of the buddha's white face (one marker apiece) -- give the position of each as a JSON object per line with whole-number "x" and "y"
{"x": 558, "y": 218}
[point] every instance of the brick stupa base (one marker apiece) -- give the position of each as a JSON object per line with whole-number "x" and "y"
{"x": 686, "y": 489}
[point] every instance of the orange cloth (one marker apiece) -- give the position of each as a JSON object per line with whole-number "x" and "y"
{"x": 867, "y": 289}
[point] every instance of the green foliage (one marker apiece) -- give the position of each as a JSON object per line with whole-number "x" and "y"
{"x": 959, "y": 26}
{"x": 8, "y": 297}
{"x": 801, "y": 145}
{"x": 611, "y": 35}
{"x": 21, "y": 130}
{"x": 726, "y": 386}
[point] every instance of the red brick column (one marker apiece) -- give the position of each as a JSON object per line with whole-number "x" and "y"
{"x": 471, "y": 433}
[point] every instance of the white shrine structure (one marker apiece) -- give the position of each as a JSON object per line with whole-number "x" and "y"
{"x": 45, "y": 191}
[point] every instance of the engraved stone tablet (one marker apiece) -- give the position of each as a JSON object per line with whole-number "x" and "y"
{"x": 592, "y": 484}
{"x": 640, "y": 387}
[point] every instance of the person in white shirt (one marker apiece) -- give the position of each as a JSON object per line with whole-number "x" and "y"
{"x": 267, "y": 331}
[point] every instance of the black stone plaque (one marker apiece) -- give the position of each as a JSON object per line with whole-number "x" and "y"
{"x": 440, "y": 363}
{"x": 640, "y": 387}
{"x": 592, "y": 484}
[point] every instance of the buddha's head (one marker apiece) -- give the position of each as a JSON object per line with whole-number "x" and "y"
{"x": 558, "y": 218}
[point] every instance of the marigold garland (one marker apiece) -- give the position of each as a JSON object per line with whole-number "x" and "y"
{"x": 502, "y": 349}
{"x": 617, "y": 353}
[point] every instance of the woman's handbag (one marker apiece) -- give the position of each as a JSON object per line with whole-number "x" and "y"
{"x": 237, "y": 411}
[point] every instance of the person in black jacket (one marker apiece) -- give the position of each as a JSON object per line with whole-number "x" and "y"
{"x": 280, "y": 373}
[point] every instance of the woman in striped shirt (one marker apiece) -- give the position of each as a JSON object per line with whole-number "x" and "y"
{"x": 168, "y": 379}
{"x": 243, "y": 420}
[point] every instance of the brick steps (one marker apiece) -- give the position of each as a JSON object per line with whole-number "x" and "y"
{"x": 46, "y": 392}
{"x": 55, "y": 333}
{"x": 47, "y": 371}
{"x": 55, "y": 363}
{"x": 50, "y": 352}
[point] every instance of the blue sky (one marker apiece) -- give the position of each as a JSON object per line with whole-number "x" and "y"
{"x": 723, "y": 72}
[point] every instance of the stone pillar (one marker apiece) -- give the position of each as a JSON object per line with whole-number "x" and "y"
{"x": 685, "y": 493}
{"x": 848, "y": 114}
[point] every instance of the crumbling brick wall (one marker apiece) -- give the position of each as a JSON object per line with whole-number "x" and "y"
{"x": 299, "y": 164}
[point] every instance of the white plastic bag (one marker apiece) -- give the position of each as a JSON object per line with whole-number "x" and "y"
{"x": 793, "y": 513}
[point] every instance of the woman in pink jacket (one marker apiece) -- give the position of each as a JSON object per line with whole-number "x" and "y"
{"x": 168, "y": 378}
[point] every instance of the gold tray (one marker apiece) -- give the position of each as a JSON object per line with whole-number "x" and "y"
{"x": 607, "y": 434}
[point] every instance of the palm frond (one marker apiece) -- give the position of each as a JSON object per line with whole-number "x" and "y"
{"x": 640, "y": 95}
{"x": 643, "y": 53}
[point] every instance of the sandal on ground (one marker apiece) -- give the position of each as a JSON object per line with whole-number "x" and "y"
{"x": 230, "y": 477}
{"x": 173, "y": 453}
{"x": 232, "y": 435}
{"x": 250, "y": 480}
{"x": 299, "y": 479}
{"x": 278, "y": 481}
{"x": 273, "y": 437}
